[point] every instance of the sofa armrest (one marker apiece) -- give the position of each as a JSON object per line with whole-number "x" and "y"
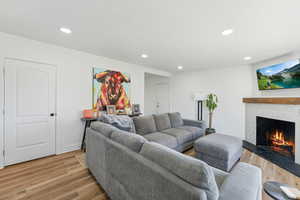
{"x": 196, "y": 123}
{"x": 220, "y": 176}
{"x": 243, "y": 183}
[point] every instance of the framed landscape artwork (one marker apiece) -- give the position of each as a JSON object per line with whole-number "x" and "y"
{"x": 279, "y": 76}
{"x": 110, "y": 88}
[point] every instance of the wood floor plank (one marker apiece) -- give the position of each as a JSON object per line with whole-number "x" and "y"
{"x": 59, "y": 186}
{"x": 66, "y": 177}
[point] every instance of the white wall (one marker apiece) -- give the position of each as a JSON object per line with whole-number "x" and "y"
{"x": 279, "y": 92}
{"x": 230, "y": 85}
{"x": 74, "y": 82}
{"x": 151, "y": 82}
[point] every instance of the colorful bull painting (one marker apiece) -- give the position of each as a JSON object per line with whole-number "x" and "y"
{"x": 110, "y": 88}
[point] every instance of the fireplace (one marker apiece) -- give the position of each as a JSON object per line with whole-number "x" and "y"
{"x": 276, "y": 136}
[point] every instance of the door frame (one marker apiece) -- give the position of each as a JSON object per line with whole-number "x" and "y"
{"x": 3, "y": 133}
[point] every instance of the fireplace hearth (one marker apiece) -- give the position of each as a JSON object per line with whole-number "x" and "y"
{"x": 276, "y": 136}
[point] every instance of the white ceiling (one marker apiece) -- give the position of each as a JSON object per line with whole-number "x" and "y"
{"x": 171, "y": 32}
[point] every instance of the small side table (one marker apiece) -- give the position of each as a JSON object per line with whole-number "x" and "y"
{"x": 87, "y": 124}
{"x": 272, "y": 188}
{"x": 210, "y": 131}
{"x": 135, "y": 115}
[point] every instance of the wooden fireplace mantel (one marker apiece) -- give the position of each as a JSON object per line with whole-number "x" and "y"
{"x": 273, "y": 100}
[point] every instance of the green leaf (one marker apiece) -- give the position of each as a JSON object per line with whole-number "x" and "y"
{"x": 211, "y": 102}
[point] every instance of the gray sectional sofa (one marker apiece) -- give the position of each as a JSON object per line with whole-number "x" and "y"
{"x": 170, "y": 130}
{"x": 130, "y": 167}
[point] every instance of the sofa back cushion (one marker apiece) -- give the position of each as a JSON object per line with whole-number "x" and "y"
{"x": 175, "y": 119}
{"x": 192, "y": 170}
{"x": 162, "y": 121}
{"x": 144, "y": 125}
{"x": 103, "y": 128}
{"x": 130, "y": 140}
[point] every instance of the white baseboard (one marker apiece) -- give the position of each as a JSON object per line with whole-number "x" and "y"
{"x": 70, "y": 148}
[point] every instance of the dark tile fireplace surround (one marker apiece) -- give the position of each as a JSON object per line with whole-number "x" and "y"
{"x": 275, "y": 141}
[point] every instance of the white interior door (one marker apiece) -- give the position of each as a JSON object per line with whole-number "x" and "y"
{"x": 30, "y": 90}
{"x": 162, "y": 98}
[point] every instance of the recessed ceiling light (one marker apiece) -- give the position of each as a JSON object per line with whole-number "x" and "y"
{"x": 144, "y": 56}
{"x": 227, "y": 32}
{"x": 180, "y": 67}
{"x": 65, "y": 30}
{"x": 247, "y": 58}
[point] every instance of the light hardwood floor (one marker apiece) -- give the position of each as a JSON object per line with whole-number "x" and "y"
{"x": 65, "y": 177}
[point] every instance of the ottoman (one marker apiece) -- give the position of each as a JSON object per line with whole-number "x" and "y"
{"x": 218, "y": 150}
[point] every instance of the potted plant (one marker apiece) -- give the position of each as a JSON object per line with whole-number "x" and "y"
{"x": 211, "y": 103}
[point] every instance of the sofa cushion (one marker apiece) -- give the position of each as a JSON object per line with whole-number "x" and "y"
{"x": 103, "y": 128}
{"x": 144, "y": 125}
{"x": 130, "y": 140}
{"x": 196, "y": 131}
{"x": 181, "y": 135}
{"x": 194, "y": 171}
{"x": 162, "y": 121}
{"x": 175, "y": 119}
{"x": 162, "y": 138}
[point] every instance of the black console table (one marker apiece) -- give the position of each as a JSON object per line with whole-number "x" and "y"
{"x": 88, "y": 122}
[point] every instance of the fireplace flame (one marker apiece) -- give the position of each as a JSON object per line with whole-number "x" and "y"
{"x": 277, "y": 138}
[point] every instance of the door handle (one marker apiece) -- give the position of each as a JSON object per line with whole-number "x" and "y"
{"x": 52, "y": 114}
